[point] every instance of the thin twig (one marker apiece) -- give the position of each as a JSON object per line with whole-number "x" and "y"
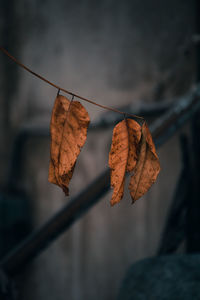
{"x": 64, "y": 90}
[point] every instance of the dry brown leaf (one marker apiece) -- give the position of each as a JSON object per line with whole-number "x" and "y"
{"x": 69, "y": 123}
{"x": 52, "y": 176}
{"x": 58, "y": 118}
{"x": 147, "y": 167}
{"x": 123, "y": 155}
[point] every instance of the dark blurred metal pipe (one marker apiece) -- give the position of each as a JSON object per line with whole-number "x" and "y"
{"x": 161, "y": 130}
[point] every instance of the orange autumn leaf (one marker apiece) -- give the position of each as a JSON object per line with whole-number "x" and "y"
{"x": 123, "y": 155}
{"x": 68, "y": 128}
{"x": 147, "y": 167}
{"x": 52, "y": 175}
{"x": 58, "y": 118}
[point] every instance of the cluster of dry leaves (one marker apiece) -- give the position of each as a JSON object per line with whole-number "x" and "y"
{"x": 132, "y": 150}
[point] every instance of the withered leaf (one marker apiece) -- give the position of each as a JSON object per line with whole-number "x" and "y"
{"x": 123, "y": 155}
{"x": 147, "y": 167}
{"x": 68, "y": 128}
{"x": 58, "y": 118}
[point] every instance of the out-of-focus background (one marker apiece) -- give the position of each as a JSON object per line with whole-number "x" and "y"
{"x": 121, "y": 54}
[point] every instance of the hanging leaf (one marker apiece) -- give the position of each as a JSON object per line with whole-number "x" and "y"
{"x": 69, "y": 123}
{"x": 147, "y": 167}
{"x": 52, "y": 175}
{"x": 58, "y": 118}
{"x": 123, "y": 155}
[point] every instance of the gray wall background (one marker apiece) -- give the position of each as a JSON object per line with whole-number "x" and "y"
{"x": 115, "y": 52}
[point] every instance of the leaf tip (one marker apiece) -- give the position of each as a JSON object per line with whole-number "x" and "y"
{"x": 65, "y": 190}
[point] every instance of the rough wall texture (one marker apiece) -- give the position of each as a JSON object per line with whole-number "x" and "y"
{"x": 115, "y": 52}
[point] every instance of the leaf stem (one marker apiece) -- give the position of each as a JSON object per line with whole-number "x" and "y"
{"x": 62, "y": 89}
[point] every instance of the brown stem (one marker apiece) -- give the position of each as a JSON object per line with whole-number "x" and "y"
{"x": 62, "y": 89}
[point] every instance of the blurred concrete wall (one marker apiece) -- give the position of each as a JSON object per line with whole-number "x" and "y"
{"x": 115, "y": 52}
